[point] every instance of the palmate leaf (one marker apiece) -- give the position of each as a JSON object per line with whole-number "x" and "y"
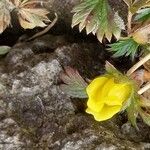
{"x": 98, "y": 18}
{"x": 30, "y": 13}
{"x": 74, "y": 85}
{"x": 127, "y": 47}
{"x": 143, "y": 15}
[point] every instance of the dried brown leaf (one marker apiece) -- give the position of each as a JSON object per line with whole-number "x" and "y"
{"x": 31, "y": 14}
{"x": 142, "y": 34}
{"x": 5, "y": 17}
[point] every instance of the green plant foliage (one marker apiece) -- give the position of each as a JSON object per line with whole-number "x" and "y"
{"x": 98, "y": 18}
{"x": 4, "y": 50}
{"x": 118, "y": 76}
{"x": 74, "y": 85}
{"x": 131, "y": 105}
{"x": 145, "y": 116}
{"x": 133, "y": 110}
{"x": 127, "y": 47}
{"x": 143, "y": 15}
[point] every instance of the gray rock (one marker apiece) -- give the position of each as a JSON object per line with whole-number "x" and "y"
{"x": 42, "y": 117}
{"x": 9, "y": 135}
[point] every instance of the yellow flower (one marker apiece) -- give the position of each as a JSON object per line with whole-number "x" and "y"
{"x": 106, "y": 97}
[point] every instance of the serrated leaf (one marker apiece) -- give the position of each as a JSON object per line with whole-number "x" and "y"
{"x": 146, "y": 117}
{"x": 30, "y": 14}
{"x": 98, "y": 18}
{"x": 127, "y": 47}
{"x": 74, "y": 85}
{"x": 143, "y": 15}
{"x": 4, "y": 50}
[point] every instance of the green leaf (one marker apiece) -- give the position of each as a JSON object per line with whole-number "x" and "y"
{"x": 110, "y": 68}
{"x": 112, "y": 71}
{"x": 143, "y": 15}
{"x": 131, "y": 98}
{"x": 118, "y": 76}
{"x": 133, "y": 110}
{"x": 74, "y": 85}
{"x": 98, "y": 18}
{"x": 145, "y": 116}
{"x": 126, "y": 104}
{"x": 4, "y": 50}
{"x": 127, "y": 47}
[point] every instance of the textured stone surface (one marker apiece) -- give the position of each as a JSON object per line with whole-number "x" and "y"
{"x": 35, "y": 114}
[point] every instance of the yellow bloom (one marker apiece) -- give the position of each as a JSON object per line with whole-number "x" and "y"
{"x": 106, "y": 97}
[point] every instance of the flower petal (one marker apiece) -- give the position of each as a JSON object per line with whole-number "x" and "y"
{"x": 107, "y": 86}
{"x": 94, "y": 92}
{"x": 96, "y": 106}
{"x": 107, "y": 112}
{"x": 118, "y": 94}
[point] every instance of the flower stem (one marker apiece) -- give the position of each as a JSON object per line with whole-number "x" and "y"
{"x": 46, "y": 29}
{"x": 144, "y": 89}
{"x": 139, "y": 64}
{"x": 129, "y": 24}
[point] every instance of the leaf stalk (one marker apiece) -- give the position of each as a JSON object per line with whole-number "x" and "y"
{"x": 139, "y": 64}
